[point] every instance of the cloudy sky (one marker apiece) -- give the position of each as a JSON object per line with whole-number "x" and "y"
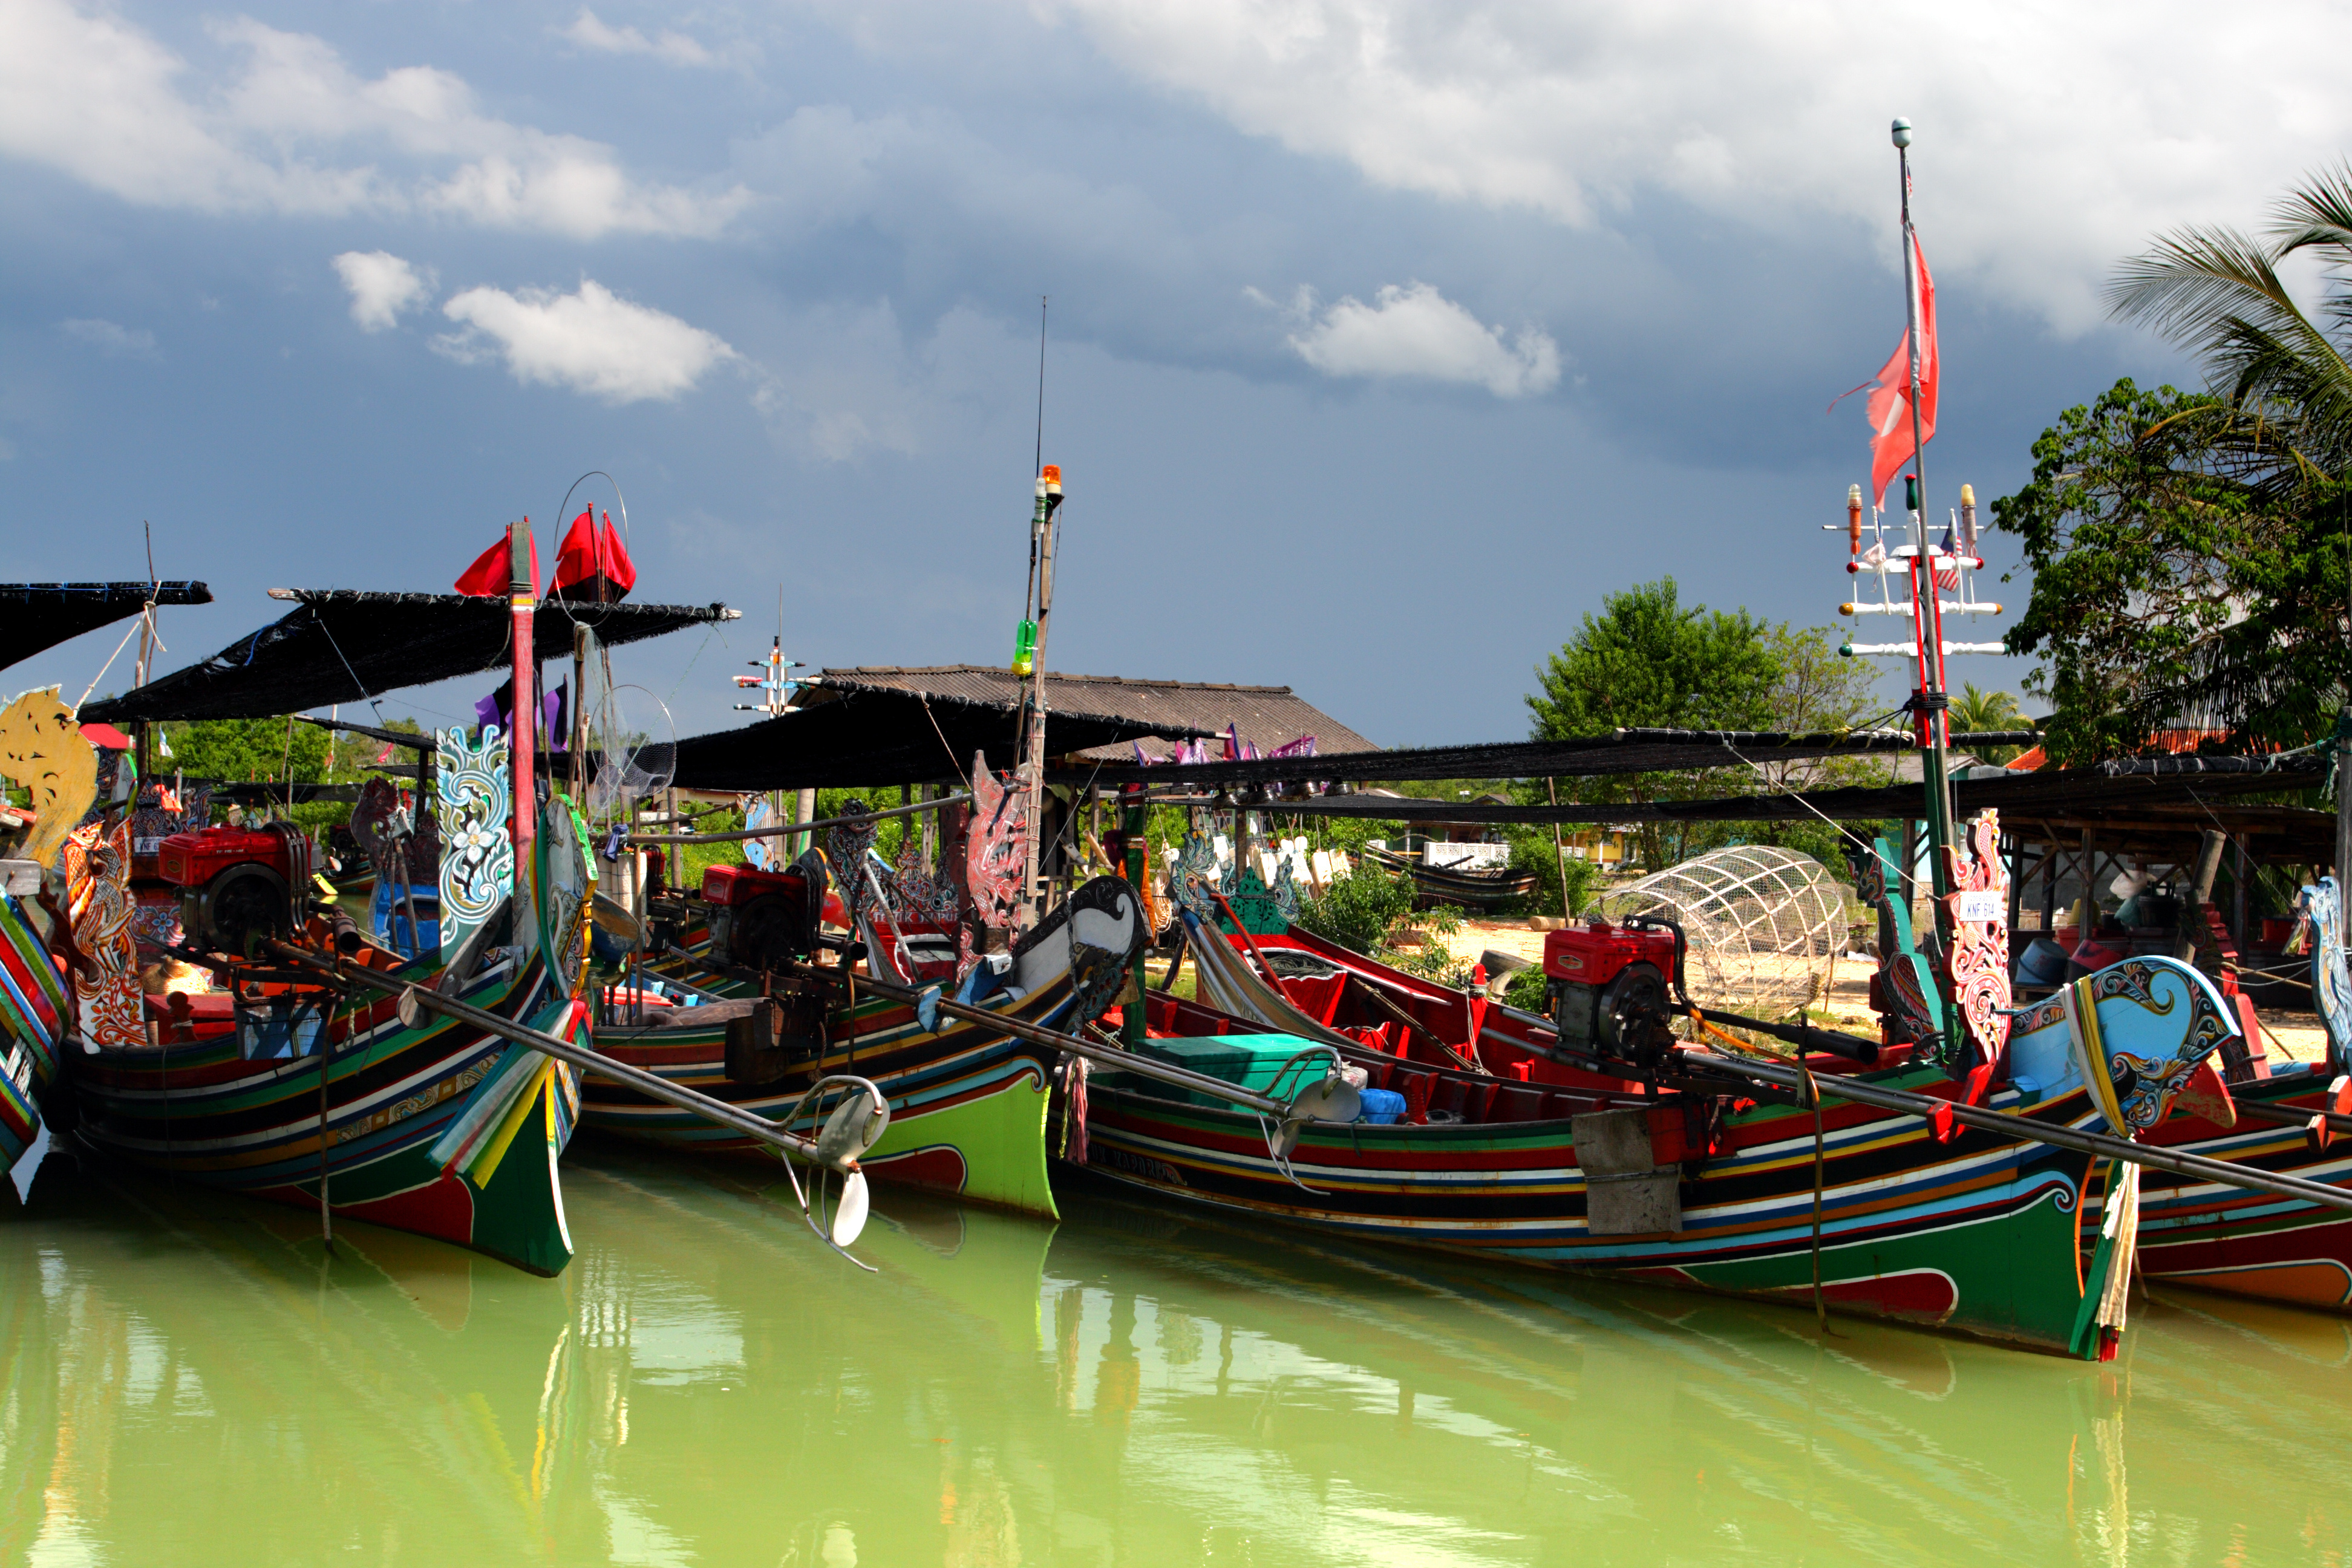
{"x": 1385, "y": 337}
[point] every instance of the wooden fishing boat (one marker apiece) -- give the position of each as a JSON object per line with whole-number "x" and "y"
{"x": 301, "y": 1096}
{"x": 1980, "y": 1234}
{"x": 968, "y": 1101}
{"x": 34, "y": 1012}
{"x": 1473, "y": 889}
{"x": 2287, "y": 1119}
{"x": 287, "y": 1084}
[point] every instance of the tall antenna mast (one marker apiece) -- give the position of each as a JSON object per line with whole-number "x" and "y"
{"x": 1029, "y": 645}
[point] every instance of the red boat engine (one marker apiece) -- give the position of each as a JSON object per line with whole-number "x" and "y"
{"x": 1612, "y": 987}
{"x": 760, "y": 919}
{"x": 237, "y": 885}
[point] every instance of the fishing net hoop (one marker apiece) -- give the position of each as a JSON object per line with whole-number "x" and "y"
{"x": 1764, "y": 925}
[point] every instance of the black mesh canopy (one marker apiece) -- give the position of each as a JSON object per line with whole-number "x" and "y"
{"x": 36, "y": 616}
{"x": 2118, "y": 788}
{"x": 881, "y": 738}
{"x": 342, "y": 645}
{"x": 1586, "y": 756}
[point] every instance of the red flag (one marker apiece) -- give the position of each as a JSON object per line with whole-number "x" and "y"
{"x": 492, "y": 573}
{"x": 1890, "y": 404}
{"x": 589, "y": 553}
{"x": 383, "y": 756}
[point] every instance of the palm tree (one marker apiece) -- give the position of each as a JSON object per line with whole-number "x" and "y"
{"x": 2282, "y": 376}
{"x": 1984, "y": 711}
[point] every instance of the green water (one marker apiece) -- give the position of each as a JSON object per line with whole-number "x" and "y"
{"x": 187, "y": 1380}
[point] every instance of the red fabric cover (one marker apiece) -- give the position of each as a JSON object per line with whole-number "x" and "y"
{"x": 492, "y": 573}
{"x": 1318, "y": 998}
{"x": 589, "y": 552}
{"x": 106, "y": 735}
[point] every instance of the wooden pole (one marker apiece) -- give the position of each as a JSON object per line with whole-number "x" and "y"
{"x": 1033, "y": 708}
{"x": 2343, "y": 801}
{"x": 2201, "y": 894}
{"x": 1134, "y": 817}
{"x": 1559, "y": 850}
{"x": 523, "y": 600}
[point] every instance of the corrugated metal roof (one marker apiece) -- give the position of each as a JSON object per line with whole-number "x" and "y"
{"x": 1267, "y": 716}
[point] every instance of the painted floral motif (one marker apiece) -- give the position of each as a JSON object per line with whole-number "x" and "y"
{"x": 1195, "y": 875}
{"x": 2322, "y": 911}
{"x": 997, "y": 846}
{"x": 849, "y": 848}
{"x": 1978, "y": 963}
{"x": 2153, "y": 1046}
{"x": 471, "y": 784}
{"x": 100, "y": 905}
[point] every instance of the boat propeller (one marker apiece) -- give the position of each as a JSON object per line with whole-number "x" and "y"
{"x": 1329, "y": 1098}
{"x": 837, "y": 1213}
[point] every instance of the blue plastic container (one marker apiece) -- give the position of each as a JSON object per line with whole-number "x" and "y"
{"x": 1382, "y": 1106}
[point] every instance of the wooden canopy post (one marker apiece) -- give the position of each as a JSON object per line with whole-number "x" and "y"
{"x": 1559, "y": 848}
{"x": 522, "y": 599}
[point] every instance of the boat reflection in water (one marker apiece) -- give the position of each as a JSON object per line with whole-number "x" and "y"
{"x": 189, "y": 1380}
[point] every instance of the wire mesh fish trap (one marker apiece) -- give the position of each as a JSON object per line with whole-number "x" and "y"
{"x": 1764, "y": 925}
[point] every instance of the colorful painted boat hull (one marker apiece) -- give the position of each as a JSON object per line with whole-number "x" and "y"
{"x": 33, "y": 1007}
{"x": 443, "y": 1130}
{"x": 2253, "y": 1244}
{"x": 1981, "y": 1235}
{"x": 967, "y": 1105}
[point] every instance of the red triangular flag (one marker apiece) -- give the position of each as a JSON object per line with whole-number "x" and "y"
{"x": 1890, "y": 406}
{"x": 589, "y": 553}
{"x": 491, "y": 575}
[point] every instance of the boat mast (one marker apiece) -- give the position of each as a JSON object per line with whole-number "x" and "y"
{"x": 1032, "y": 648}
{"x": 522, "y": 596}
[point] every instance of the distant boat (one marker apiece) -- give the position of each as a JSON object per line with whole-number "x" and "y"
{"x": 1472, "y": 889}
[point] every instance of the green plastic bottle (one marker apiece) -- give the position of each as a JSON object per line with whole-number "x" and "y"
{"x": 1025, "y": 649}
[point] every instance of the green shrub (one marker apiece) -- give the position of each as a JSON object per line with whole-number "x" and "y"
{"x": 1527, "y": 989}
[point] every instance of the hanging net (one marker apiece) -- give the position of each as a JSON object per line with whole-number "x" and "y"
{"x": 1764, "y": 925}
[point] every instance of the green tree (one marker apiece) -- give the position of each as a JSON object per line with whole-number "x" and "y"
{"x": 2193, "y": 554}
{"x": 1646, "y": 661}
{"x": 2176, "y": 582}
{"x": 2282, "y": 403}
{"x": 1986, "y": 711}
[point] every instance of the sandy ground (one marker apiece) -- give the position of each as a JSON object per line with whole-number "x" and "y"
{"x": 2294, "y": 1036}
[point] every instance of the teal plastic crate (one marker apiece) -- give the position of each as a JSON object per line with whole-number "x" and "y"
{"x": 1245, "y": 1061}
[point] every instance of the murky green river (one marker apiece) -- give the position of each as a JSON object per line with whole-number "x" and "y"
{"x": 188, "y": 1381}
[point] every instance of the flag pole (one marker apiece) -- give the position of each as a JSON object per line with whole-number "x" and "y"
{"x": 1931, "y": 702}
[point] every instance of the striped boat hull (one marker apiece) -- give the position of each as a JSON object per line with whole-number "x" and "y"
{"x": 967, "y": 1105}
{"x": 444, "y": 1130}
{"x": 2253, "y": 1244}
{"x": 33, "y": 1008}
{"x": 1981, "y": 1235}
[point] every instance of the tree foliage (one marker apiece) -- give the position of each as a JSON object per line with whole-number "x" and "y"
{"x": 1985, "y": 711}
{"x": 1648, "y": 660}
{"x": 2176, "y": 584}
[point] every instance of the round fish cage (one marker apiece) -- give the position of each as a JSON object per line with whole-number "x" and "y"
{"x": 1763, "y": 924}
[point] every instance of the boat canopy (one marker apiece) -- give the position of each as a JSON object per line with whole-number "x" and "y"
{"x": 343, "y": 645}
{"x": 36, "y": 616}
{"x": 880, "y": 737}
{"x": 2128, "y": 789}
{"x": 1583, "y": 756}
